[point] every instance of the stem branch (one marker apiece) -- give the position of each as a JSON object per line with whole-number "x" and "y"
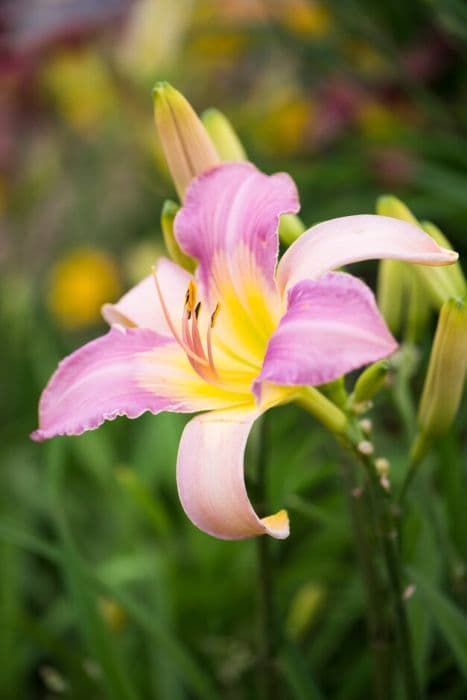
{"x": 388, "y": 536}
{"x": 377, "y": 626}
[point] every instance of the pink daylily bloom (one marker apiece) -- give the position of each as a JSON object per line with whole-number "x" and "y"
{"x": 241, "y": 335}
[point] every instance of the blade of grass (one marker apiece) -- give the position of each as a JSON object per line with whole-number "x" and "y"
{"x": 95, "y": 634}
{"x": 195, "y": 677}
{"x": 450, "y": 620}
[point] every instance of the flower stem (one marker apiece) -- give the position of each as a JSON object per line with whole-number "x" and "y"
{"x": 387, "y": 531}
{"x": 267, "y": 631}
{"x": 376, "y": 618}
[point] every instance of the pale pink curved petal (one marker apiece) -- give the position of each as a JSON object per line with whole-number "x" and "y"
{"x": 210, "y": 478}
{"x": 348, "y": 239}
{"x": 124, "y": 373}
{"x": 229, "y": 224}
{"x": 141, "y": 305}
{"x": 332, "y": 326}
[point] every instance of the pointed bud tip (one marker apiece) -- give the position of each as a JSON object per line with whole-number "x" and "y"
{"x": 169, "y": 208}
{"x": 160, "y": 87}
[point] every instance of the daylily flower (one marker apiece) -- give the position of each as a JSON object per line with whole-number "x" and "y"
{"x": 240, "y": 335}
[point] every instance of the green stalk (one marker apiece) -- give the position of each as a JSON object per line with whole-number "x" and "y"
{"x": 387, "y": 532}
{"x": 267, "y": 630}
{"x": 376, "y": 618}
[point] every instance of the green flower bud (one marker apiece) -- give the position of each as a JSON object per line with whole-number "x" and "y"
{"x": 223, "y": 136}
{"x": 450, "y": 278}
{"x": 371, "y": 380}
{"x": 291, "y": 227}
{"x": 335, "y": 391}
{"x": 185, "y": 142}
{"x": 388, "y": 205}
{"x": 444, "y": 382}
{"x": 390, "y": 293}
{"x": 398, "y": 287}
{"x": 169, "y": 211}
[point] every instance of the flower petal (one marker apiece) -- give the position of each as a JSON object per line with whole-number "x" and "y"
{"x": 141, "y": 305}
{"x": 229, "y": 223}
{"x": 349, "y": 239}
{"x": 332, "y": 326}
{"x": 124, "y": 373}
{"x": 229, "y": 220}
{"x": 211, "y": 482}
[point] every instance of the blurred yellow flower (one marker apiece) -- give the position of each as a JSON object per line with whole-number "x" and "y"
{"x": 81, "y": 87}
{"x": 306, "y": 18}
{"x": 219, "y": 45}
{"x": 80, "y": 283}
{"x": 282, "y": 128}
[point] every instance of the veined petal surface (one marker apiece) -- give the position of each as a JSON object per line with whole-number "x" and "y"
{"x": 349, "y": 239}
{"x": 210, "y": 477}
{"x": 124, "y": 373}
{"x": 332, "y": 326}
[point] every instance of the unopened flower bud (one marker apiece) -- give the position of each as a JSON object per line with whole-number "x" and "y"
{"x": 291, "y": 227}
{"x": 335, "y": 391}
{"x": 382, "y": 466}
{"x": 442, "y": 391}
{"x": 366, "y": 425}
{"x": 365, "y": 447}
{"x": 448, "y": 281}
{"x": 187, "y": 147}
{"x": 169, "y": 211}
{"x": 398, "y": 285}
{"x": 388, "y": 205}
{"x": 371, "y": 380}
{"x": 385, "y": 483}
{"x": 223, "y": 136}
{"x": 390, "y": 293}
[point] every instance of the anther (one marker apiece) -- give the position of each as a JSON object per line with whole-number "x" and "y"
{"x": 215, "y": 314}
{"x": 190, "y": 297}
{"x": 197, "y": 309}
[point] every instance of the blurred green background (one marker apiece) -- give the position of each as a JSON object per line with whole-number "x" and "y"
{"x": 106, "y": 589}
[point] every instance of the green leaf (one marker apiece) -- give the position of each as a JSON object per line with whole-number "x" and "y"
{"x": 450, "y": 620}
{"x": 297, "y": 674}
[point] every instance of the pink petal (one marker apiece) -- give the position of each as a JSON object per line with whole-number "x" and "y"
{"x": 211, "y": 482}
{"x": 141, "y": 305}
{"x": 229, "y": 223}
{"x": 332, "y": 326}
{"x": 124, "y": 373}
{"x": 348, "y": 239}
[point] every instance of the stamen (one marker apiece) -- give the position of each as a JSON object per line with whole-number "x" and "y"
{"x": 170, "y": 324}
{"x": 190, "y": 298}
{"x": 215, "y": 314}
{"x": 212, "y": 323}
